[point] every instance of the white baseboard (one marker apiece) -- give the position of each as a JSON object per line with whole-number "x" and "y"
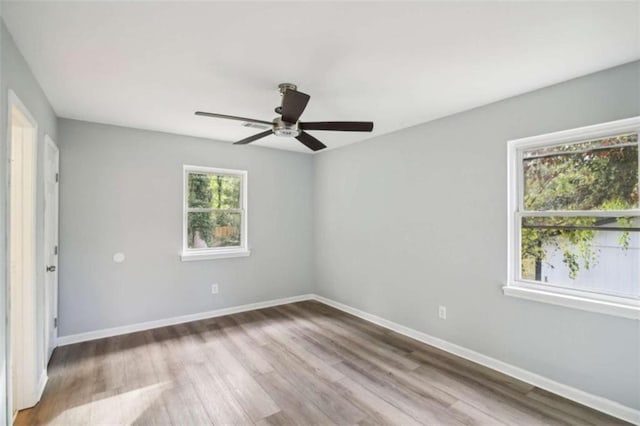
{"x": 596, "y": 402}
{"x": 44, "y": 378}
{"x": 125, "y": 329}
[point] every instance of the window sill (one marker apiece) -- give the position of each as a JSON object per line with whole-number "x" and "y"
{"x": 211, "y": 255}
{"x": 571, "y": 301}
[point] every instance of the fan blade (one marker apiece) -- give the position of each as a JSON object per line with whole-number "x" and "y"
{"x": 310, "y": 142}
{"x": 293, "y": 104}
{"x": 232, "y": 117}
{"x": 253, "y": 138}
{"x": 339, "y": 126}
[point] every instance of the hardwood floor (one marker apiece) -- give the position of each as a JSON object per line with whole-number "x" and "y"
{"x": 303, "y": 363}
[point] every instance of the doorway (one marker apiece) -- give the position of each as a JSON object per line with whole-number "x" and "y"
{"x": 21, "y": 257}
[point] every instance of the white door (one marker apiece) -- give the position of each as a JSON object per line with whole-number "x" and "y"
{"x": 51, "y": 177}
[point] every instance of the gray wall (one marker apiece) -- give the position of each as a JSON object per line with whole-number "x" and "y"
{"x": 121, "y": 190}
{"x": 414, "y": 219}
{"x": 16, "y": 75}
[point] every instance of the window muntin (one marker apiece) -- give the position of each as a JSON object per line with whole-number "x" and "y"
{"x": 215, "y": 210}
{"x": 575, "y": 218}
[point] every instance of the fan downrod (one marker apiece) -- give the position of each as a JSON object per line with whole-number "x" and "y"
{"x": 283, "y": 88}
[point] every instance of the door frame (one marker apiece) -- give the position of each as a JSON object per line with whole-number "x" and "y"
{"x": 28, "y": 376}
{"x": 50, "y": 293}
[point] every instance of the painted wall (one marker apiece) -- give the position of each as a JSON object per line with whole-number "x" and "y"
{"x": 121, "y": 191}
{"x": 16, "y": 75}
{"x": 418, "y": 218}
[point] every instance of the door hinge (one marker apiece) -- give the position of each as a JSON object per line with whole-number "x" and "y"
{"x": 55, "y": 322}
{"x": 55, "y": 250}
{"x": 57, "y": 177}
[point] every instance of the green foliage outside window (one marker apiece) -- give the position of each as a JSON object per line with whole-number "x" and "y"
{"x": 595, "y": 175}
{"x": 219, "y": 224}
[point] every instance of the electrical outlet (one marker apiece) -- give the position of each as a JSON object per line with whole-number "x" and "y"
{"x": 214, "y": 288}
{"x": 442, "y": 312}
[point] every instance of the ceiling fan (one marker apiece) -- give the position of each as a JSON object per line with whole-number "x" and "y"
{"x": 287, "y": 125}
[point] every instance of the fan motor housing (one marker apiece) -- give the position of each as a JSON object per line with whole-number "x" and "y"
{"x": 284, "y": 129}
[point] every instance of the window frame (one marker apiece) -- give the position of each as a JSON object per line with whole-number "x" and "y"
{"x": 189, "y": 254}
{"x": 626, "y": 307}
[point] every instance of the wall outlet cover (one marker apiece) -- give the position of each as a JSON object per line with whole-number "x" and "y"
{"x": 442, "y": 312}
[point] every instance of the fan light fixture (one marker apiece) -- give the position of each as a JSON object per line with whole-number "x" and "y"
{"x": 284, "y": 129}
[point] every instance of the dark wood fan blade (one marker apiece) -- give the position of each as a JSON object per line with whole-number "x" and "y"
{"x": 254, "y": 138}
{"x": 310, "y": 142}
{"x": 293, "y": 105}
{"x": 339, "y": 126}
{"x": 232, "y": 117}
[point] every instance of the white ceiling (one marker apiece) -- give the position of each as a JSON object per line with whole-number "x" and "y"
{"x": 152, "y": 64}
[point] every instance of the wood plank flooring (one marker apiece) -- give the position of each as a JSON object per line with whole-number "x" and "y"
{"x": 302, "y": 364}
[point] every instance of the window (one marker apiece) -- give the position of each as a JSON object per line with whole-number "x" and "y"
{"x": 215, "y": 213}
{"x": 574, "y": 218}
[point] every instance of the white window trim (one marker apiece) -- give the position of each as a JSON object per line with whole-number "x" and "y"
{"x": 516, "y": 287}
{"x": 188, "y": 254}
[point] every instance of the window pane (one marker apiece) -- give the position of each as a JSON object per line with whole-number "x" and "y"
{"x": 213, "y": 229}
{"x": 600, "y": 254}
{"x": 594, "y": 175}
{"x": 214, "y": 191}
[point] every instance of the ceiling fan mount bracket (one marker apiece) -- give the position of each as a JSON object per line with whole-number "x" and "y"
{"x": 286, "y": 86}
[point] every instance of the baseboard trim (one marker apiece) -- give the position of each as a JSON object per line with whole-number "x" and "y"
{"x": 44, "y": 378}
{"x": 148, "y": 325}
{"x": 596, "y": 402}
